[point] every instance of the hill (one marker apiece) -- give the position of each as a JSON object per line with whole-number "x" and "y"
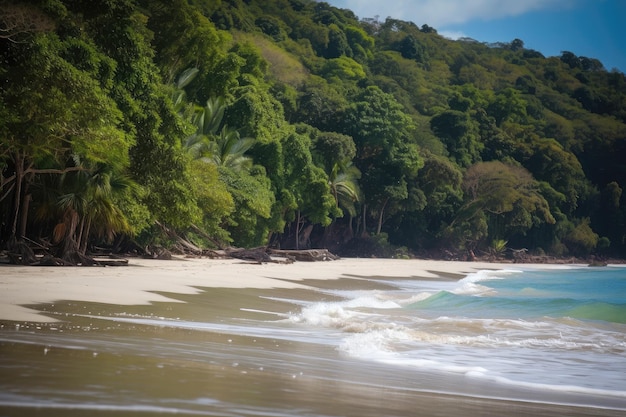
{"x": 294, "y": 124}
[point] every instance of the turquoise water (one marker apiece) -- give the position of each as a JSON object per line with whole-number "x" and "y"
{"x": 586, "y": 294}
{"x": 553, "y": 341}
{"x": 560, "y": 330}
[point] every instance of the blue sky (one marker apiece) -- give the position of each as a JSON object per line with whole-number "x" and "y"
{"x": 591, "y": 28}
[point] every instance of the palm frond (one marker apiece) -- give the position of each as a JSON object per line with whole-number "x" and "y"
{"x": 186, "y": 77}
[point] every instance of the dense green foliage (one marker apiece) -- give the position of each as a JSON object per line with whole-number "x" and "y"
{"x": 291, "y": 122}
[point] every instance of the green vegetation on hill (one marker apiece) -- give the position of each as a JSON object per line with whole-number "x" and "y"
{"x": 292, "y": 123}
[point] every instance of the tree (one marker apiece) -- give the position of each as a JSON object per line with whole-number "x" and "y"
{"x": 51, "y": 103}
{"x": 320, "y": 105}
{"x": 308, "y": 184}
{"x": 517, "y": 45}
{"x": 460, "y": 135}
{"x": 508, "y": 105}
{"x": 185, "y": 38}
{"x": 440, "y": 183}
{"x": 329, "y": 148}
{"x": 207, "y": 122}
{"x": 158, "y": 162}
{"x": 343, "y": 181}
{"x": 250, "y": 222}
{"x": 550, "y": 162}
{"x": 411, "y": 48}
{"x": 229, "y": 148}
{"x": 84, "y": 205}
{"x": 386, "y": 153}
{"x": 360, "y": 42}
{"x": 507, "y": 196}
{"x": 236, "y": 183}
{"x": 609, "y": 218}
{"x": 19, "y": 22}
{"x": 582, "y": 240}
{"x": 214, "y": 200}
{"x": 337, "y": 43}
{"x": 343, "y": 68}
{"x": 570, "y": 59}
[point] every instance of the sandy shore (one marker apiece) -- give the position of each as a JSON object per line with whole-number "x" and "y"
{"x": 217, "y": 356}
{"x": 141, "y": 281}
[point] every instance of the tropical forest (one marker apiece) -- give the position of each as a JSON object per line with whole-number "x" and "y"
{"x": 133, "y": 126}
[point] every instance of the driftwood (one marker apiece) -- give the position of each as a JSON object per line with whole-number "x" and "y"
{"x": 155, "y": 252}
{"x": 258, "y": 255}
{"x": 306, "y": 255}
{"x": 263, "y": 254}
{"x": 186, "y": 245}
{"x": 21, "y": 253}
{"x": 111, "y": 260}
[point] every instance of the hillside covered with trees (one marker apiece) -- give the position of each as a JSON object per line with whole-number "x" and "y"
{"x": 295, "y": 124}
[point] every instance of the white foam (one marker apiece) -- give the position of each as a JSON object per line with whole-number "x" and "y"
{"x": 415, "y": 298}
{"x": 546, "y": 387}
{"x": 489, "y": 275}
{"x": 342, "y": 314}
{"x": 471, "y": 288}
{"x": 380, "y": 346}
{"x": 323, "y": 314}
{"x": 470, "y": 284}
{"x": 371, "y": 302}
{"x": 373, "y": 345}
{"x": 497, "y": 333}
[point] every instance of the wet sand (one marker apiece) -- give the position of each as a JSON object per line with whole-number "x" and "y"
{"x": 143, "y": 279}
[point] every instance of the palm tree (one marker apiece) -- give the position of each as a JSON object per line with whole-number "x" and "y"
{"x": 215, "y": 143}
{"x": 179, "y": 95}
{"x": 343, "y": 180}
{"x": 228, "y": 150}
{"x": 207, "y": 121}
{"x": 83, "y": 202}
{"x": 212, "y": 142}
{"x": 102, "y": 217}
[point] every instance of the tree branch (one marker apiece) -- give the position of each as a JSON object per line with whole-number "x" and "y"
{"x": 54, "y": 171}
{"x": 19, "y": 20}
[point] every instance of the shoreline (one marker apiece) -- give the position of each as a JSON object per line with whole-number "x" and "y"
{"x": 140, "y": 282}
{"x": 214, "y": 338}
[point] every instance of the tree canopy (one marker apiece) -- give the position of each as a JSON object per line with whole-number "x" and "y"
{"x": 294, "y": 123}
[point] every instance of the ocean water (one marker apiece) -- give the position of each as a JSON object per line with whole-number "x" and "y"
{"x": 524, "y": 341}
{"x": 559, "y": 330}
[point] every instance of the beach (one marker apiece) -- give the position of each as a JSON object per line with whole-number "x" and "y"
{"x": 143, "y": 280}
{"x": 225, "y": 337}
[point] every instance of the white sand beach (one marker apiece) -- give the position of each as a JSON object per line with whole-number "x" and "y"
{"x": 140, "y": 282}
{"x": 194, "y": 336}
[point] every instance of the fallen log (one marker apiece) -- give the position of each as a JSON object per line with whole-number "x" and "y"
{"x": 111, "y": 260}
{"x": 306, "y": 255}
{"x": 258, "y": 255}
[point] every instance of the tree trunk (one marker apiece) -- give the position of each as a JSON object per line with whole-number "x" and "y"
{"x": 380, "y": 217}
{"x": 350, "y": 229}
{"x": 19, "y": 175}
{"x": 24, "y": 217}
{"x": 84, "y": 239}
{"x": 306, "y": 235}
{"x": 329, "y": 232}
{"x": 81, "y": 230}
{"x": 298, "y": 231}
{"x": 364, "y": 231}
{"x": 70, "y": 246}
